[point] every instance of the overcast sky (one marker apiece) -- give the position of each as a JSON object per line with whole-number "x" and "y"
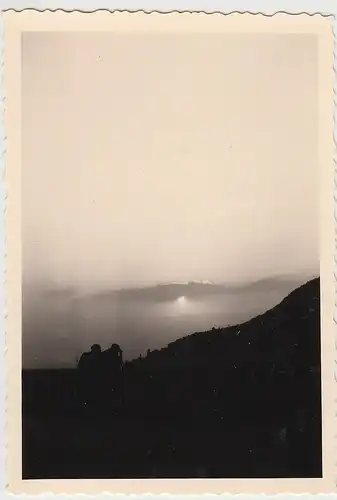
{"x": 161, "y": 157}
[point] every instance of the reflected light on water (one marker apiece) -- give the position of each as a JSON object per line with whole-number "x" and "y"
{"x": 182, "y": 301}
{"x": 181, "y": 306}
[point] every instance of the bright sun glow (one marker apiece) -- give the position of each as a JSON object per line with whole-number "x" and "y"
{"x": 181, "y": 300}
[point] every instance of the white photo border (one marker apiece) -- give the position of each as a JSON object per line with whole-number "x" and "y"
{"x": 268, "y": 8}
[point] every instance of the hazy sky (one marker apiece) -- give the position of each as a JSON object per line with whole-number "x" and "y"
{"x": 153, "y": 158}
{"x": 156, "y": 158}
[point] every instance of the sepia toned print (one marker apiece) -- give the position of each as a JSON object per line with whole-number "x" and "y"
{"x": 170, "y": 240}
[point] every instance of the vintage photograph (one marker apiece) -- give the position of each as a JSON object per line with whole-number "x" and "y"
{"x": 171, "y": 257}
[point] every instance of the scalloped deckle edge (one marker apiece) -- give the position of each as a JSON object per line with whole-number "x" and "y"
{"x": 173, "y": 11}
{"x": 160, "y": 13}
{"x": 334, "y": 64}
{"x": 3, "y": 194}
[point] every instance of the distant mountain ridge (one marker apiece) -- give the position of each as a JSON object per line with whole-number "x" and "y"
{"x": 196, "y": 285}
{"x": 194, "y": 289}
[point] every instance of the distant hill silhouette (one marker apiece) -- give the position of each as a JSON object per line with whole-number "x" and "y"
{"x": 242, "y": 401}
{"x": 195, "y": 289}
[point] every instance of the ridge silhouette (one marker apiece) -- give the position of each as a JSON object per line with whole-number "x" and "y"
{"x": 241, "y": 401}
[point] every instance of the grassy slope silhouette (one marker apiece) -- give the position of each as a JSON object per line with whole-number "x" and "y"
{"x": 289, "y": 332}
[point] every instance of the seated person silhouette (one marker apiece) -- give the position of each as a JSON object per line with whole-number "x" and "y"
{"x": 112, "y": 365}
{"x": 90, "y": 367}
{"x": 89, "y": 360}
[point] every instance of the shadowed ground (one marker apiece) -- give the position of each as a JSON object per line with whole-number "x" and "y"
{"x": 238, "y": 402}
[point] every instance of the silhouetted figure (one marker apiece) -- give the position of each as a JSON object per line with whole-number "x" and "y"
{"x": 112, "y": 365}
{"x": 89, "y": 359}
{"x": 90, "y": 367}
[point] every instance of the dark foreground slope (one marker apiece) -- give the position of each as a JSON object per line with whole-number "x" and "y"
{"x": 242, "y": 401}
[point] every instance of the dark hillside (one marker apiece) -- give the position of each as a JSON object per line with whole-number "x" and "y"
{"x": 283, "y": 341}
{"x": 242, "y": 401}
